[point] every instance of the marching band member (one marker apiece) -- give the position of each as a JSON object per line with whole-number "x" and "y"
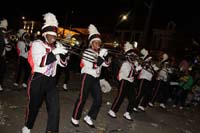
{"x": 145, "y": 80}
{"x": 23, "y": 66}
{"x": 93, "y": 59}
{"x": 43, "y": 57}
{"x": 126, "y": 86}
{"x": 161, "y": 90}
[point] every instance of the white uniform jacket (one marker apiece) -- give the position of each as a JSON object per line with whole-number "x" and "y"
{"x": 126, "y": 71}
{"x": 91, "y": 63}
{"x": 148, "y": 71}
{"x": 22, "y": 49}
{"x": 42, "y": 60}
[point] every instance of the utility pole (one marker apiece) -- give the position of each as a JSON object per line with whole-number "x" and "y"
{"x": 147, "y": 23}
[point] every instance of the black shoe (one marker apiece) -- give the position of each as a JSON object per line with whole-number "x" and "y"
{"x": 75, "y": 125}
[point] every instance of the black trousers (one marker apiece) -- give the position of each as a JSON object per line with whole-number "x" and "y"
{"x": 144, "y": 92}
{"x": 155, "y": 91}
{"x": 2, "y": 69}
{"x": 66, "y": 72}
{"x": 164, "y": 92}
{"x": 89, "y": 85}
{"x": 161, "y": 92}
{"x": 43, "y": 88}
{"x": 181, "y": 96}
{"x": 23, "y": 70}
{"x": 125, "y": 89}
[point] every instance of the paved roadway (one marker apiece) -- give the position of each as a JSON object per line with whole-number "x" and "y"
{"x": 155, "y": 120}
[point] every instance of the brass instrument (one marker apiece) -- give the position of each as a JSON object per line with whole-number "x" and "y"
{"x": 75, "y": 43}
{"x": 72, "y": 44}
{"x": 113, "y": 49}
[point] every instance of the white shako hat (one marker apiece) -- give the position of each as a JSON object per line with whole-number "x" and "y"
{"x": 50, "y": 25}
{"x": 93, "y": 34}
{"x": 4, "y": 23}
{"x": 127, "y": 47}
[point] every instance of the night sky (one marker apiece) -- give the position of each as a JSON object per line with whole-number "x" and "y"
{"x": 105, "y": 13}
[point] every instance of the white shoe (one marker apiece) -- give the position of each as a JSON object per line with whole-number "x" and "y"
{"x": 181, "y": 107}
{"x": 25, "y": 130}
{"x": 75, "y": 122}
{"x": 65, "y": 87}
{"x": 1, "y": 89}
{"x": 127, "y": 116}
{"x": 16, "y": 84}
{"x": 135, "y": 109}
{"x": 88, "y": 121}
{"x": 162, "y": 105}
{"x": 24, "y": 85}
{"x": 174, "y": 106}
{"x": 112, "y": 114}
{"x": 150, "y": 104}
{"x": 141, "y": 108}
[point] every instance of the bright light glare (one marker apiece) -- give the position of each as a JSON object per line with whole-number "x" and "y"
{"x": 135, "y": 44}
{"x": 124, "y": 17}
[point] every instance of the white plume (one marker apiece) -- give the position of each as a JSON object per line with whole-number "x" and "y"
{"x": 20, "y": 32}
{"x": 127, "y": 46}
{"x": 92, "y": 30}
{"x": 144, "y": 53}
{"x": 164, "y": 57}
{"x": 4, "y": 23}
{"x": 50, "y": 20}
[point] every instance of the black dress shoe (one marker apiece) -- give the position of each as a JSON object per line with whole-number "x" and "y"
{"x": 92, "y": 126}
{"x": 75, "y": 125}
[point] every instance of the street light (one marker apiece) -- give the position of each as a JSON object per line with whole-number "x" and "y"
{"x": 124, "y": 17}
{"x": 23, "y": 18}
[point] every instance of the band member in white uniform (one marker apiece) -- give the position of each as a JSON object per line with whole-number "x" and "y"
{"x": 145, "y": 76}
{"x": 161, "y": 89}
{"x": 43, "y": 57}
{"x": 23, "y": 67}
{"x": 93, "y": 59}
{"x": 126, "y": 87}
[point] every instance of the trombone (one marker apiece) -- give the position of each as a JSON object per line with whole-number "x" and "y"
{"x": 72, "y": 45}
{"x": 113, "y": 49}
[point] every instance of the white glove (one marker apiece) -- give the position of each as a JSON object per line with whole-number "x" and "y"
{"x": 136, "y": 63}
{"x": 59, "y": 50}
{"x": 138, "y": 68}
{"x": 155, "y": 68}
{"x": 103, "y": 52}
{"x": 59, "y": 45}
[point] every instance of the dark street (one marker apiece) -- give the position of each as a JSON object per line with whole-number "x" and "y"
{"x": 154, "y": 120}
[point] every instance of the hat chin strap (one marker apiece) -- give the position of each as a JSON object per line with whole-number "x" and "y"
{"x": 46, "y": 40}
{"x": 52, "y": 41}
